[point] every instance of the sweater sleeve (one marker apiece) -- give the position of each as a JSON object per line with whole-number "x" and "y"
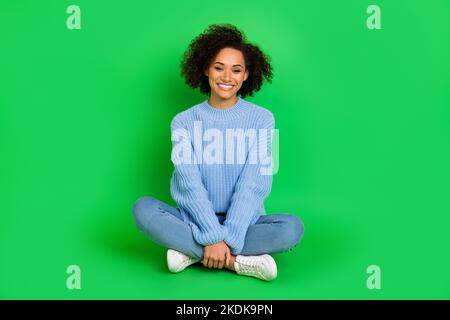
{"x": 252, "y": 188}
{"x": 188, "y": 191}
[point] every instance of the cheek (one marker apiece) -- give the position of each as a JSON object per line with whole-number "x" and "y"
{"x": 213, "y": 74}
{"x": 213, "y": 79}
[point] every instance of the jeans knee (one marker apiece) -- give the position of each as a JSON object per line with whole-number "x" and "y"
{"x": 300, "y": 227}
{"x": 142, "y": 208}
{"x": 294, "y": 231}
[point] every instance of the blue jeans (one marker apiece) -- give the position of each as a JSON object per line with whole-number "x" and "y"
{"x": 164, "y": 225}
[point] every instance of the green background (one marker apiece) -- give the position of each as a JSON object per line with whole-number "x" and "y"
{"x": 364, "y": 126}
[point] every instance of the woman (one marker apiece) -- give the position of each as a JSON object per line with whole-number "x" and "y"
{"x": 222, "y": 176}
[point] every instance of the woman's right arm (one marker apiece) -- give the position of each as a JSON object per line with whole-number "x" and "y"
{"x": 188, "y": 190}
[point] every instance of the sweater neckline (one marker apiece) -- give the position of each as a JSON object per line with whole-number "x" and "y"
{"x": 223, "y": 114}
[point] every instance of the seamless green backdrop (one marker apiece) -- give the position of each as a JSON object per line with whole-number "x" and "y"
{"x": 364, "y": 126}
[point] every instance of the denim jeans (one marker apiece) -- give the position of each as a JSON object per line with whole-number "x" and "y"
{"x": 164, "y": 225}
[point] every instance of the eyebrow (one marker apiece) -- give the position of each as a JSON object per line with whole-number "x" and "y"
{"x": 234, "y": 65}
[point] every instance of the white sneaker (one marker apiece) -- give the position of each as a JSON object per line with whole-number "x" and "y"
{"x": 262, "y": 267}
{"x": 178, "y": 261}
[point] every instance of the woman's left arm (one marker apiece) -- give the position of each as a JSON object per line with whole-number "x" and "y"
{"x": 252, "y": 188}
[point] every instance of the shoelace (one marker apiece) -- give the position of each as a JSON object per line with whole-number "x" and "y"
{"x": 248, "y": 266}
{"x": 187, "y": 259}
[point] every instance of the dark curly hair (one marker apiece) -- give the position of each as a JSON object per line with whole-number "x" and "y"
{"x": 207, "y": 45}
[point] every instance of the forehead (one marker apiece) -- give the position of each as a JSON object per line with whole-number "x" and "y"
{"x": 230, "y": 56}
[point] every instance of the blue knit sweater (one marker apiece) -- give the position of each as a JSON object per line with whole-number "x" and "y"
{"x": 214, "y": 152}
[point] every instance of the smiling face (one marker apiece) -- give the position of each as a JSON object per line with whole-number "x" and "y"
{"x": 226, "y": 73}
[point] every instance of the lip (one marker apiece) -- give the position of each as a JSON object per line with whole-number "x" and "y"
{"x": 225, "y": 89}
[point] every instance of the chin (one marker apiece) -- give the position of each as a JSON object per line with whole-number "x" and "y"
{"x": 225, "y": 96}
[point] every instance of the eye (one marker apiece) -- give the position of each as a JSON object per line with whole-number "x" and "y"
{"x": 234, "y": 71}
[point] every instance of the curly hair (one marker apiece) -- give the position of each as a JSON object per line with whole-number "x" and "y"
{"x": 207, "y": 45}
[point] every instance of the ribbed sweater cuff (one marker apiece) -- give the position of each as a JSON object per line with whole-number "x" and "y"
{"x": 206, "y": 238}
{"x": 235, "y": 234}
{"x": 238, "y": 220}
{"x": 234, "y": 243}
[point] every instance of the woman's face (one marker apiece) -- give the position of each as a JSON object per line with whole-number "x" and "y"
{"x": 226, "y": 73}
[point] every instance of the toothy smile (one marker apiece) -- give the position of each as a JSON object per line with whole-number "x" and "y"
{"x": 225, "y": 86}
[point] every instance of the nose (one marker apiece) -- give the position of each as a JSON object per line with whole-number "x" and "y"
{"x": 226, "y": 75}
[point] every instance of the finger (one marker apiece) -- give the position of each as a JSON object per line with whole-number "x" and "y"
{"x": 210, "y": 263}
{"x": 216, "y": 264}
{"x": 221, "y": 263}
{"x": 228, "y": 257}
{"x": 205, "y": 262}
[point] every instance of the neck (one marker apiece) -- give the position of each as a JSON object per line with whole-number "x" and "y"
{"x": 220, "y": 103}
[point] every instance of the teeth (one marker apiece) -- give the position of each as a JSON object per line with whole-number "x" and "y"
{"x": 226, "y": 86}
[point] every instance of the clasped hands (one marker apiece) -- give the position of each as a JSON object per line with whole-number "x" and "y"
{"x": 216, "y": 255}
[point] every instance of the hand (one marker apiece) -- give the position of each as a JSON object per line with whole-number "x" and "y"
{"x": 216, "y": 255}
